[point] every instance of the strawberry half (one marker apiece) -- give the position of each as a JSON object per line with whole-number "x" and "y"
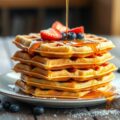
{"x": 77, "y": 30}
{"x": 51, "y": 34}
{"x": 59, "y": 26}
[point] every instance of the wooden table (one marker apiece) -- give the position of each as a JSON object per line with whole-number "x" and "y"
{"x": 89, "y": 113}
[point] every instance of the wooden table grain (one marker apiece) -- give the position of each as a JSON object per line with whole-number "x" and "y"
{"x": 99, "y": 112}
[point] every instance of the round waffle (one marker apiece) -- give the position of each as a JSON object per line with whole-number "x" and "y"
{"x": 70, "y": 85}
{"x": 58, "y": 64}
{"x": 59, "y": 49}
{"x": 64, "y": 74}
{"x": 48, "y": 93}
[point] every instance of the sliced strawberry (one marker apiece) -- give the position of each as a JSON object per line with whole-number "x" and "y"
{"x": 59, "y": 26}
{"x": 51, "y": 34}
{"x": 77, "y": 30}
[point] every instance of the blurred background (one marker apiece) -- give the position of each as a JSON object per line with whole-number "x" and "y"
{"x": 25, "y": 16}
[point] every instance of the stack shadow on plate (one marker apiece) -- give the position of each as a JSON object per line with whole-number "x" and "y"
{"x": 64, "y": 69}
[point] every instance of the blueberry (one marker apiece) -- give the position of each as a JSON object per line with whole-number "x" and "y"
{"x": 64, "y": 36}
{"x": 6, "y": 105}
{"x": 14, "y": 108}
{"x": 1, "y": 107}
{"x": 72, "y": 35}
{"x": 118, "y": 70}
{"x": 38, "y": 110}
{"x": 80, "y": 36}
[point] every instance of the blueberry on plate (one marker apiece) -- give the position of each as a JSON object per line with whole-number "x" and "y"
{"x": 80, "y": 36}
{"x": 1, "y": 107}
{"x": 118, "y": 70}
{"x": 14, "y": 108}
{"x": 6, "y": 105}
{"x": 64, "y": 36}
{"x": 72, "y": 36}
{"x": 38, "y": 110}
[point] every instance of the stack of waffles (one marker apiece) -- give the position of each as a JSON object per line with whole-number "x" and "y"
{"x": 64, "y": 69}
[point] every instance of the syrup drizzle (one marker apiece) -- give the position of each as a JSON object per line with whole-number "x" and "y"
{"x": 108, "y": 95}
{"x": 67, "y": 15}
{"x": 98, "y": 94}
{"x": 33, "y": 46}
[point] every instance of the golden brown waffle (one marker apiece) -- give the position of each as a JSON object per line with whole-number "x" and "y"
{"x": 64, "y": 69}
{"x": 56, "y": 64}
{"x": 63, "y": 75}
{"x": 71, "y": 85}
{"x": 61, "y": 49}
{"x": 47, "y": 93}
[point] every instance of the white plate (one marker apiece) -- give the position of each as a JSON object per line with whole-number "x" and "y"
{"x": 7, "y": 87}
